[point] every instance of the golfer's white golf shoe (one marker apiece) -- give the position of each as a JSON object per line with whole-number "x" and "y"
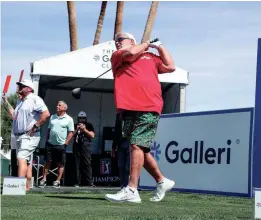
{"x": 125, "y": 195}
{"x": 163, "y": 187}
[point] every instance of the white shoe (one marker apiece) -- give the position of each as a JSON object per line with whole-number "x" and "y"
{"x": 161, "y": 190}
{"x": 125, "y": 195}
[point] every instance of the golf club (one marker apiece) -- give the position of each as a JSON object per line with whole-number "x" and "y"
{"x": 154, "y": 40}
{"x": 76, "y": 93}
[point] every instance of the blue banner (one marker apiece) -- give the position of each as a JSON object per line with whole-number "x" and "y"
{"x": 257, "y": 124}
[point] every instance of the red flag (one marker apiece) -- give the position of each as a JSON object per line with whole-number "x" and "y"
{"x": 7, "y": 83}
{"x": 21, "y": 76}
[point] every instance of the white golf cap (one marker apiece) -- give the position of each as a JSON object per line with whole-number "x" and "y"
{"x": 131, "y": 37}
{"x": 82, "y": 114}
{"x": 26, "y": 82}
{"x": 128, "y": 35}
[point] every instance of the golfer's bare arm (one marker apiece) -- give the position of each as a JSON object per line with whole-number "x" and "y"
{"x": 131, "y": 54}
{"x": 167, "y": 61}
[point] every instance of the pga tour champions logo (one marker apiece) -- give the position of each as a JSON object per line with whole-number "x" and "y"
{"x": 105, "y": 166}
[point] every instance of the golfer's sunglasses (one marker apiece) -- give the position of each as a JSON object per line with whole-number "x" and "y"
{"x": 120, "y": 39}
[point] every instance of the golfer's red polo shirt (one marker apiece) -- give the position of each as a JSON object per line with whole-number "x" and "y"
{"x": 136, "y": 85}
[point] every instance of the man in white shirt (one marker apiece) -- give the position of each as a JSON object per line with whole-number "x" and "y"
{"x": 30, "y": 113}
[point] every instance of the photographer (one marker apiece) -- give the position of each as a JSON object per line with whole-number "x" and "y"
{"x": 83, "y": 135}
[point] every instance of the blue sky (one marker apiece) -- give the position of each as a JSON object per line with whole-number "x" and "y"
{"x": 215, "y": 41}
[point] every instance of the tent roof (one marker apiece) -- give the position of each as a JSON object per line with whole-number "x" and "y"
{"x": 90, "y": 62}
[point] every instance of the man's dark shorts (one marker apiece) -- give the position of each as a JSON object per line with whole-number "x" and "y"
{"x": 55, "y": 153}
{"x": 140, "y": 127}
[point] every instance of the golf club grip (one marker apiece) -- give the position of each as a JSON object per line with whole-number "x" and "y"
{"x": 154, "y": 40}
{"x": 96, "y": 78}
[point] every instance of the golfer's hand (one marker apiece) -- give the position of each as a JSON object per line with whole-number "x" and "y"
{"x": 155, "y": 44}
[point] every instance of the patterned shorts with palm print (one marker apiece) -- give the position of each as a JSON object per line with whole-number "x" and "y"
{"x": 140, "y": 127}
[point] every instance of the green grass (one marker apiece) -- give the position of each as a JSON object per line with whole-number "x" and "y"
{"x": 93, "y": 206}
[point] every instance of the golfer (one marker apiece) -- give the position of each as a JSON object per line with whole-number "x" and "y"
{"x": 138, "y": 97}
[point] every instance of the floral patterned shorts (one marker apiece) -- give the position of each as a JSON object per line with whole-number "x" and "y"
{"x": 140, "y": 127}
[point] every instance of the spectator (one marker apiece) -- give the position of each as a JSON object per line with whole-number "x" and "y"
{"x": 60, "y": 132}
{"x": 30, "y": 113}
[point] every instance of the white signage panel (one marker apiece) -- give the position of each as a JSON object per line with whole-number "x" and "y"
{"x": 257, "y": 204}
{"x": 14, "y": 186}
{"x": 208, "y": 152}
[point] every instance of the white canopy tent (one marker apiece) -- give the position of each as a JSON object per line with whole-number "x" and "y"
{"x": 55, "y": 77}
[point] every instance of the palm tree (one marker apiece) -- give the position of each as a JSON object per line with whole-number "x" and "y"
{"x": 100, "y": 23}
{"x": 150, "y": 21}
{"x": 119, "y": 16}
{"x": 72, "y": 25}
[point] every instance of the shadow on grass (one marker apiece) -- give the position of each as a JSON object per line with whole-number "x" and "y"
{"x": 75, "y": 197}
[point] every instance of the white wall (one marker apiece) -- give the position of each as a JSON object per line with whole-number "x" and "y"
{"x": 204, "y": 151}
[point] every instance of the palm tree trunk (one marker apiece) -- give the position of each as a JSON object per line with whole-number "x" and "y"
{"x": 100, "y": 23}
{"x": 150, "y": 21}
{"x": 119, "y": 16}
{"x": 72, "y": 25}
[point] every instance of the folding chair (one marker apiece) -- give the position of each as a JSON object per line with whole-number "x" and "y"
{"x": 38, "y": 166}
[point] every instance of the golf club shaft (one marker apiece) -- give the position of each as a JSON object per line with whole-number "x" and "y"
{"x": 96, "y": 78}
{"x": 152, "y": 41}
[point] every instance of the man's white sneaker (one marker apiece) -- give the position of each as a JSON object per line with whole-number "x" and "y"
{"x": 125, "y": 195}
{"x": 163, "y": 187}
